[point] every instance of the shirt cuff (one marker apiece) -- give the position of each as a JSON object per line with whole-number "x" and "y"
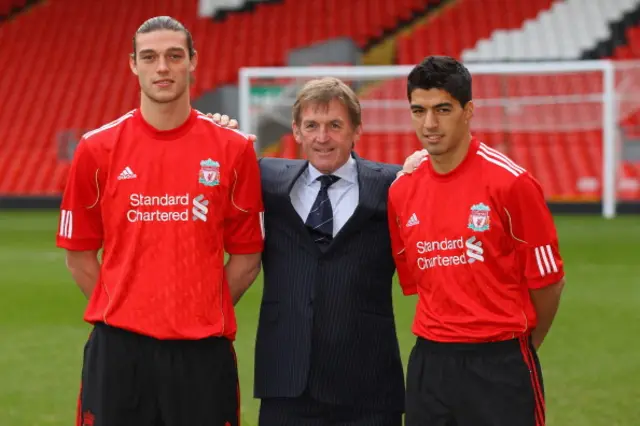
{"x": 545, "y": 281}
{"x": 78, "y": 245}
{"x": 245, "y": 248}
{"x": 409, "y": 290}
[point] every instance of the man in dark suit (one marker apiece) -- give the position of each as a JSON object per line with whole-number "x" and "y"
{"x": 326, "y": 349}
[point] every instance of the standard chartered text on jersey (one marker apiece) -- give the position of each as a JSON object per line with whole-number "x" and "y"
{"x": 159, "y": 200}
{"x": 197, "y": 205}
{"x": 473, "y": 253}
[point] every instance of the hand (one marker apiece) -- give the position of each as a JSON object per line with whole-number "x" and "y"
{"x": 226, "y": 121}
{"x": 412, "y": 162}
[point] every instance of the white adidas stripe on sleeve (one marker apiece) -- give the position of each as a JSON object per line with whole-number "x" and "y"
{"x": 545, "y": 259}
{"x": 66, "y": 224}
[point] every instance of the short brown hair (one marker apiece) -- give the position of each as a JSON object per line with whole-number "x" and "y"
{"x": 321, "y": 92}
{"x": 164, "y": 23}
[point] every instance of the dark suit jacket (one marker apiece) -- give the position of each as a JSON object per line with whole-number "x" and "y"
{"x": 326, "y": 319}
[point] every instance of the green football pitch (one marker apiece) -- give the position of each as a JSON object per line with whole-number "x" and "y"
{"x": 591, "y": 359}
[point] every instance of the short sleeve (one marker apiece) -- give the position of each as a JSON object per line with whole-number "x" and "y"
{"x": 80, "y": 224}
{"x": 534, "y": 232}
{"x": 407, "y": 284}
{"x": 244, "y": 220}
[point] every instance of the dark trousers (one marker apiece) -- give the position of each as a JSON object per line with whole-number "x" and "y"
{"x": 486, "y": 384}
{"x": 306, "y": 411}
{"x": 134, "y": 380}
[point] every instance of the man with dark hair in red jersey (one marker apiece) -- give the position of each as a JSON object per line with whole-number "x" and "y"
{"x": 164, "y": 192}
{"x": 473, "y": 237}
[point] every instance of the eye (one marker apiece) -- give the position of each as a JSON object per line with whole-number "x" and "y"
{"x": 335, "y": 125}
{"x": 310, "y": 125}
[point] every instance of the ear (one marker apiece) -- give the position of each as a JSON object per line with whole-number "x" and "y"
{"x": 468, "y": 111}
{"x": 132, "y": 64}
{"x": 357, "y": 134}
{"x": 194, "y": 61}
{"x": 296, "y": 132}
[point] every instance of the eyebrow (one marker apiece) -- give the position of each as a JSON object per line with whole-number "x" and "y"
{"x": 313, "y": 120}
{"x": 440, "y": 105}
{"x": 171, "y": 49}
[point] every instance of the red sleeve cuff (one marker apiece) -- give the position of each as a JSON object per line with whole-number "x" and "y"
{"x": 78, "y": 245}
{"x": 409, "y": 290}
{"x": 245, "y": 248}
{"x": 545, "y": 281}
{"x": 406, "y": 283}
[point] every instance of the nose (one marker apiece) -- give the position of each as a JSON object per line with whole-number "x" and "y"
{"x": 323, "y": 134}
{"x": 162, "y": 65}
{"x": 430, "y": 121}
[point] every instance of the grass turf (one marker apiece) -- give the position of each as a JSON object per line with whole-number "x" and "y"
{"x": 591, "y": 359}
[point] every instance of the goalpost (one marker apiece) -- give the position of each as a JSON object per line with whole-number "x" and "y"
{"x": 571, "y": 113}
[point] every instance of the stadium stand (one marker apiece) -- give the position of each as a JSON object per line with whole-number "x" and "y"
{"x": 570, "y": 29}
{"x": 457, "y": 26}
{"x": 90, "y": 84}
{"x": 563, "y": 31}
{"x": 568, "y": 164}
{"x": 218, "y": 9}
{"x": 78, "y": 78}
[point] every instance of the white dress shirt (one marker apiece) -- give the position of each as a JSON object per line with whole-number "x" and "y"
{"x": 343, "y": 195}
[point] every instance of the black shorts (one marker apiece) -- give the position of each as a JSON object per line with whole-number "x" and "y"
{"x": 486, "y": 384}
{"x": 130, "y": 379}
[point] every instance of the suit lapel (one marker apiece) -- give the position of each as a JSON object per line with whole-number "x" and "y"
{"x": 371, "y": 194}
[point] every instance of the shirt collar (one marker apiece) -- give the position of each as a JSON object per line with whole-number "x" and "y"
{"x": 347, "y": 172}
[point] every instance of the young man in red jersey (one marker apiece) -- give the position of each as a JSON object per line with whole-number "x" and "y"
{"x": 164, "y": 192}
{"x": 473, "y": 237}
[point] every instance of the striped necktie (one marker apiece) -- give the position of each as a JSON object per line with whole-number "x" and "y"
{"x": 320, "y": 219}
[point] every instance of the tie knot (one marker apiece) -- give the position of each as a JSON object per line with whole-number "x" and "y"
{"x": 327, "y": 180}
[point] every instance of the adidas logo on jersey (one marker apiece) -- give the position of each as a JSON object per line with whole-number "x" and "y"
{"x": 413, "y": 220}
{"x": 127, "y": 173}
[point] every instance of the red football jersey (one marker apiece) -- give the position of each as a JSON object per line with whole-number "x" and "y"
{"x": 164, "y": 206}
{"x": 471, "y": 244}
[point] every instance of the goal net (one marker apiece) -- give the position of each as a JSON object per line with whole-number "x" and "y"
{"x": 574, "y": 125}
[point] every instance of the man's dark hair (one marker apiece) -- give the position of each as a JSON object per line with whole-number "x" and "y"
{"x": 164, "y": 23}
{"x": 441, "y": 72}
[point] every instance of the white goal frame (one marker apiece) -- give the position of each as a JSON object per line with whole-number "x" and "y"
{"x": 609, "y": 110}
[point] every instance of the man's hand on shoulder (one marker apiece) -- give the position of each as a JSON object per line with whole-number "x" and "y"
{"x": 226, "y": 121}
{"x": 412, "y": 162}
